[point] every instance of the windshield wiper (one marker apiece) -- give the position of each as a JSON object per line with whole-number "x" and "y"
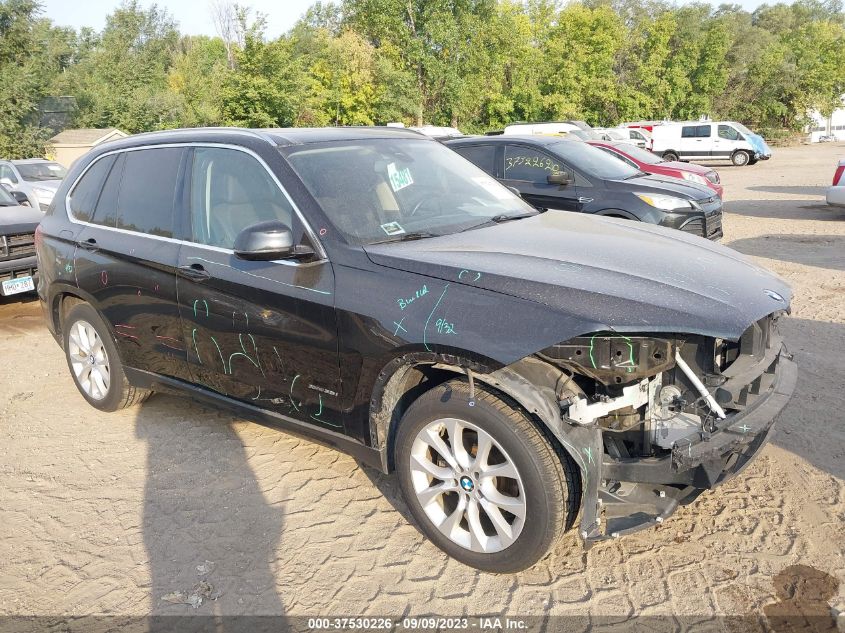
{"x": 407, "y": 237}
{"x": 499, "y": 219}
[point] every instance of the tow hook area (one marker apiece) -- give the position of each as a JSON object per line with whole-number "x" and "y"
{"x": 623, "y": 507}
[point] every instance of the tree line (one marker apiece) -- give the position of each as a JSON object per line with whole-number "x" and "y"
{"x": 474, "y": 64}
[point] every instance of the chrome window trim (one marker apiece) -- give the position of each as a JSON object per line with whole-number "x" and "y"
{"x": 321, "y": 253}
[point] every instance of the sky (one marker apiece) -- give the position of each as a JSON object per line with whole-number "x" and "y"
{"x": 194, "y": 17}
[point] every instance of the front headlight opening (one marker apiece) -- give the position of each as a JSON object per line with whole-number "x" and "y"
{"x": 664, "y": 202}
{"x": 694, "y": 177}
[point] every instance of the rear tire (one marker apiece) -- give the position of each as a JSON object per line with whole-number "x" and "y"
{"x": 670, "y": 156}
{"x": 94, "y": 362}
{"x": 740, "y": 158}
{"x": 481, "y": 480}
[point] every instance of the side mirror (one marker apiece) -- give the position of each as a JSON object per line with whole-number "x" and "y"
{"x": 20, "y": 197}
{"x": 561, "y": 178}
{"x": 267, "y": 241}
{"x": 514, "y": 191}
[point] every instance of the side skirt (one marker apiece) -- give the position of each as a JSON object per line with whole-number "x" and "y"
{"x": 364, "y": 454}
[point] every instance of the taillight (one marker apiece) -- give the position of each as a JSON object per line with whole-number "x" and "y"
{"x": 838, "y": 174}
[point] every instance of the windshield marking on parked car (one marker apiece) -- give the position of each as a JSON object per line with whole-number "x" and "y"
{"x": 275, "y": 281}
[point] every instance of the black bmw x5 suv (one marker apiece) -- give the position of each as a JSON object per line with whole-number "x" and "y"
{"x": 371, "y": 289}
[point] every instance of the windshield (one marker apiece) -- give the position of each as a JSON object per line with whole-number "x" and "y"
{"x": 379, "y": 190}
{"x": 6, "y": 199}
{"x": 742, "y": 128}
{"x": 637, "y": 153}
{"x": 41, "y": 171}
{"x": 593, "y": 161}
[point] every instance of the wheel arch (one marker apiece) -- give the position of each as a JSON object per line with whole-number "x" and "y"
{"x": 618, "y": 213}
{"x": 530, "y": 383}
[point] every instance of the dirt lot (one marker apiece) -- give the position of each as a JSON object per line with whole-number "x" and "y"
{"x": 108, "y": 513}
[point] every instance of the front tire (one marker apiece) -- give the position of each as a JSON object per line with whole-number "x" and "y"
{"x": 740, "y": 158}
{"x": 481, "y": 480}
{"x": 94, "y": 362}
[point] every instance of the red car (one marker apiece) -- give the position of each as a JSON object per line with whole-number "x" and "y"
{"x": 650, "y": 163}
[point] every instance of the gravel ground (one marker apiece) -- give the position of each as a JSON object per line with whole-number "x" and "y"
{"x": 109, "y": 513}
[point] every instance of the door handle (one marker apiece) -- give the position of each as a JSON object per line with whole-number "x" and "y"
{"x": 89, "y": 245}
{"x": 583, "y": 200}
{"x": 194, "y": 272}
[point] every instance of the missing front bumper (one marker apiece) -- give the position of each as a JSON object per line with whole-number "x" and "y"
{"x": 634, "y": 494}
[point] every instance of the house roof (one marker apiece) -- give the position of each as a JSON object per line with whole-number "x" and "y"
{"x": 86, "y": 136}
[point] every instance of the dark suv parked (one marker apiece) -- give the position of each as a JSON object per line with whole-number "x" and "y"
{"x": 555, "y": 173}
{"x": 372, "y": 289}
{"x": 17, "y": 244}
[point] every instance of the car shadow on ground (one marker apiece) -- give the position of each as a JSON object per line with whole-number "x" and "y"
{"x": 811, "y": 209}
{"x": 811, "y": 424}
{"x": 205, "y": 518}
{"x": 796, "y": 191}
{"x": 822, "y": 251}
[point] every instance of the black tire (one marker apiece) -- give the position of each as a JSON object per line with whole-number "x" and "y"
{"x": 670, "y": 156}
{"x": 119, "y": 394}
{"x": 548, "y": 477}
{"x": 741, "y": 158}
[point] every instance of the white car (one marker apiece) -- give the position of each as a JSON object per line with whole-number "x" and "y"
{"x": 639, "y": 137}
{"x": 836, "y": 192}
{"x": 38, "y": 178}
{"x": 709, "y": 140}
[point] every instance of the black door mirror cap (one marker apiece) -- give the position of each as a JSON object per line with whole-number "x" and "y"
{"x": 267, "y": 241}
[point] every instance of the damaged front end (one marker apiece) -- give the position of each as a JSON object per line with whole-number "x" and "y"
{"x": 661, "y": 418}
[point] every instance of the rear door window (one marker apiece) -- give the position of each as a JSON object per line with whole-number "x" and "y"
{"x": 83, "y": 198}
{"x": 483, "y": 156}
{"x": 688, "y": 131}
{"x": 702, "y": 131}
{"x": 147, "y": 191}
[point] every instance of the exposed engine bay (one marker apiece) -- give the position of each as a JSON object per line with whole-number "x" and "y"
{"x": 650, "y": 395}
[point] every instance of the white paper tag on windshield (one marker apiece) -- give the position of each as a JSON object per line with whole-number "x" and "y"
{"x": 399, "y": 178}
{"x": 498, "y": 191}
{"x": 392, "y": 228}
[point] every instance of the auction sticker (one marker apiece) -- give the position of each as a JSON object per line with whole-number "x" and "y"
{"x": 392, "y": 228}
{"x": 399, "y": 178}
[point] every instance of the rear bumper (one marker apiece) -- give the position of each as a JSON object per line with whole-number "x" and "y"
{"x": 836, "y": 196}
{"x": 643, "y": 492}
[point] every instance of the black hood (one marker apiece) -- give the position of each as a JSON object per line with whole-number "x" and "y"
{"x": 667, "y": 185}
{"x": 602, "y": 273}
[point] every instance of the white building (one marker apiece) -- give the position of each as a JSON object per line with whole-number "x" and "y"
{"x": 834, "y": 125}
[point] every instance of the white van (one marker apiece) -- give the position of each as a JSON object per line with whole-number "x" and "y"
{"x": 709, "y": 140}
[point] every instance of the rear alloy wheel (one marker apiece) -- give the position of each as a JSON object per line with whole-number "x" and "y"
{"x": 481, "y": 480}
{"x": 670, "y": 156}
{"x": 740, "y": 158}
{"x": 94, "y": 362}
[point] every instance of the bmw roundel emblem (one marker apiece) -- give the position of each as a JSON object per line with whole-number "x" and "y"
{"x": 466, "y": 484}
{"x": 774, "y": 295}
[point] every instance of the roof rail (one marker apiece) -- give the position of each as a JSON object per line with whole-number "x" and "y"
{"x": 260, "y": 134}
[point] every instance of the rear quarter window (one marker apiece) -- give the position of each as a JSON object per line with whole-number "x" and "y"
{"x": 83, "y": 198}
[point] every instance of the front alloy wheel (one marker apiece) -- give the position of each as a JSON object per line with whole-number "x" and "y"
{"x": 467, "y": 485}
{"x": 481, "y": 480}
